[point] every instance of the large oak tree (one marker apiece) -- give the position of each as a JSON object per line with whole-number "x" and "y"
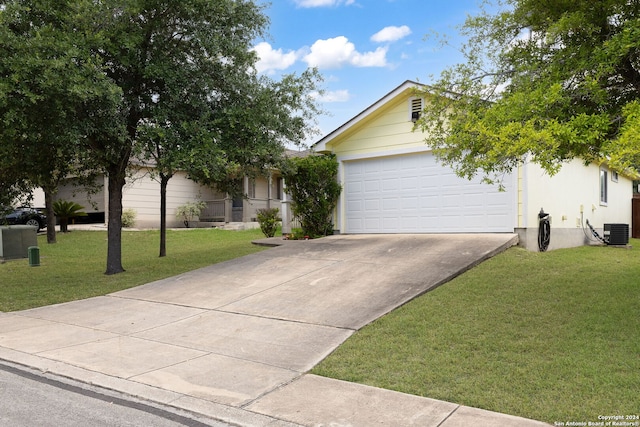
{"x": 48, "y": 84}
{"x": 545, "y": 81}
{"x": 161, "y": 68}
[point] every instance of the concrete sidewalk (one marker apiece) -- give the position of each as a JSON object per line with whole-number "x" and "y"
{"x": 234, "y": 341}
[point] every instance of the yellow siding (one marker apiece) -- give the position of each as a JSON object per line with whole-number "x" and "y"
{"x": 388, "y": 129}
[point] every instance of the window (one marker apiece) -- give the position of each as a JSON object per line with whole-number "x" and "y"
{"x": 614, "y": 176}
{"x": 415, "y": 109}
{"x": 603, "y": 187}
{"x": 252, "y": 189}
{"x": 279, "y": 189}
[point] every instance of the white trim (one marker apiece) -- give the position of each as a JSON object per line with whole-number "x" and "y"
{"x": 604, "y": 182}
{"x": 341, "y": 211}
{"x": 525, "y": 192}
{"x": 385, "y": 153}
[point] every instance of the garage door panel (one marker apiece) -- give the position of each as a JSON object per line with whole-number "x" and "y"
{"x": 371, "y": 186}
{"x": 413, "y": 193}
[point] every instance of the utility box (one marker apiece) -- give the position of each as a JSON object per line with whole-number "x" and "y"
{"x": 34, "y": 256}
{"x": 616, "y": 234}
{"x": 16, "y": 239}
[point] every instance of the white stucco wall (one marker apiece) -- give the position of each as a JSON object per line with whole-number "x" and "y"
{"x": 571, "y": 197}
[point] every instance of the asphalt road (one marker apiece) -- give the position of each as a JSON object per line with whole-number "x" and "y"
{"x": 28, "y": 399}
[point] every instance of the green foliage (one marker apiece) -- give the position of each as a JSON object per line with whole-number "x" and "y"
{"x": 269, "y": 221}
{"x": 247, "y": 130}
{"x": 96, "y": 83}
{"x": 129, "y": 218}
{"x": 541, "y": 82}
{"x": 66, "y": 210}
{"x": 313, "y": 185}
{"x": 189, "y": 211}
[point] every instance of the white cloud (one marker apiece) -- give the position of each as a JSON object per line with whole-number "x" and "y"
{"x": 339, "y": 51}
{"x": 333, "y": 96}
{"x": 391, "y": 34}
{"x": 323, "y": 3}
{"x": 271, "y": 59}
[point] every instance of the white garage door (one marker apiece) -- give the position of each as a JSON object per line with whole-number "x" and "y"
{"x": 414, "y": 194}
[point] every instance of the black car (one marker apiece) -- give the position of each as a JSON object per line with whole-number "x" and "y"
{"x": 27, "y": 216}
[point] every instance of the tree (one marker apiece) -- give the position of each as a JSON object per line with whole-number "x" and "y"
{"x": 250, "y": 126}
{"x": 312, "y": 182}
{"x": 232, "y": 124}
{"x": 161, "y": 69}
{"x": 543, "y": 81}
{"x": 49, "y": 84}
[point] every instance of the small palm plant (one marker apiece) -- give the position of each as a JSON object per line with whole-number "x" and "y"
{"x": 65, "y": 210}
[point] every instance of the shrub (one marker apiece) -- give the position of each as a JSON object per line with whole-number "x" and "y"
{"x": 128, "y": 218}
{"x": 189, "y": 211}
{"x": 268, "y": 220}
{"x": 313, "y": 185}
{"x": 65, "y": 210}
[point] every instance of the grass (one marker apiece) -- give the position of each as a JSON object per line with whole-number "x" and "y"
{"x": 551, "y": 336}
{"x": 74, "y": 267}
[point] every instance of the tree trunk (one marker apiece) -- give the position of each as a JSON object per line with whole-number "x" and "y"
{"x": 114, "y": 224}
{"x": 51, "y": 217}
{"x": 164, "y": 180}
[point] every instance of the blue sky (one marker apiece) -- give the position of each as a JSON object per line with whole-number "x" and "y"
{"x": 363, "y": 48}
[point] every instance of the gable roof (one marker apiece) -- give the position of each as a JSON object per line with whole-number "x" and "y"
{"x": 408, "y": 85}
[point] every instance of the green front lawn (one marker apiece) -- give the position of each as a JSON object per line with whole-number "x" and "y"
{"x": 74, "y": 267}
{"x": 551, "y": 336}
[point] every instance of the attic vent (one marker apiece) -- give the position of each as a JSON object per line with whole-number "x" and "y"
{"x": 416, "y": 109}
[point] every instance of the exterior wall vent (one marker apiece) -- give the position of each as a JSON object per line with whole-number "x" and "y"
{"x": 415, "y": 108}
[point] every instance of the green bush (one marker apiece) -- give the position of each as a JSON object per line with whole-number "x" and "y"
{"x": 128, "y": 218}
{"x": 268, "y": 220}
{"x": 189, "y": 211}
{"x": 313, "y": 185}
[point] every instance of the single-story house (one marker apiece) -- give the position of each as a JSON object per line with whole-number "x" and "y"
{"x": 142, "y": 194}
{"x": 392, "y": 183}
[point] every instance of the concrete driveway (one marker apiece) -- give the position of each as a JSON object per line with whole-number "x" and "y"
{"x": 234, "y": 340}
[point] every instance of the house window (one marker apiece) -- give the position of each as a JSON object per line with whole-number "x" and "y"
{"x": 279, "y": 188}
{"x": 603, "y": 187}
{"x": 415, "y": 109}
{"x": 252, "y": 189}
{"x": 614, "y": 176}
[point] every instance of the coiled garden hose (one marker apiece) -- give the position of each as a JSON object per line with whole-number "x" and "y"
{"x": 544, "y": 231}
